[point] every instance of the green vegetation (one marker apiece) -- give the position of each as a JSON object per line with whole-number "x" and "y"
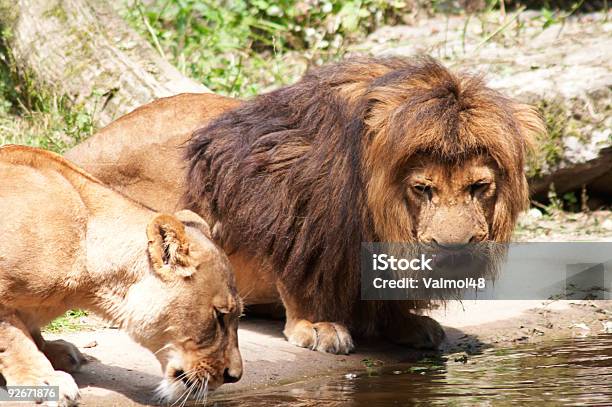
{"x": 37, "y": 117}
{"x": 239, "y": 48}
{"x": 70, "y": 321}
{"x": 550, "y": 148}
{"x": 559, "y": 124}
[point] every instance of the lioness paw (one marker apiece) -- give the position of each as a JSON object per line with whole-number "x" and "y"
{"x": 327, "y": 337}
{"x": 64, "y": 355}
{"x": 68, "y": 389}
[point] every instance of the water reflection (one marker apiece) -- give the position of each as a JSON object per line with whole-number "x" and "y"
{"x": 568, "y": 372}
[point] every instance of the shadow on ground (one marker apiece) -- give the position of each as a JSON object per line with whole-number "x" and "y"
{"x": 122, "y": 373}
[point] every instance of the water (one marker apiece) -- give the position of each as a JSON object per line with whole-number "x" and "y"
{"x": 566, "y": 372}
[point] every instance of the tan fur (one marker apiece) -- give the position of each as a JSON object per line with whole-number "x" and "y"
{"x": 68, "y": 241}
{"x": 294, "y": 180}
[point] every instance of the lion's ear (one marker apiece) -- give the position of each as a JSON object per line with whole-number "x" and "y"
{"x": 531, "y": 126}
{"x": 192, "y": 219}
{"x": 169, "y": 247}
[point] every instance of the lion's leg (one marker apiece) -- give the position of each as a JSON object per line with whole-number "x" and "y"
{"x": 300, "y": 330}
{"x": 415, "y": 331}
{"x": 62, "y": 355}
{"x": 22, "y": 364}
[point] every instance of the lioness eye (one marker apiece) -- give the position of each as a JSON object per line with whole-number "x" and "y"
{"x": 220, "y": 319}
{"x": 478, "y": 187}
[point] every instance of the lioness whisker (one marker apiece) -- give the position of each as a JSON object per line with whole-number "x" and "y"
{"x": 196, "y": 395}
{"x": 204, "y": 399}
{"x": 202, "y": 393}
{"x": 162, "y": 348}
{"x": 184, "y": 393}
{"x": 190, "y": 389}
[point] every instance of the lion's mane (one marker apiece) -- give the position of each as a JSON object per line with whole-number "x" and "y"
{"x": 302, "y": 175}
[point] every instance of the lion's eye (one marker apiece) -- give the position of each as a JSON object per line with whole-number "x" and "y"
{"x": 423, "y": 189}
{"x": 479, "y": 187}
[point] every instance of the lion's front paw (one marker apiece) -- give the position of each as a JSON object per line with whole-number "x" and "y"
{"x": 64, "y": 355}
{"x": 418, "y": 332}
{"x": 328, "y": 337}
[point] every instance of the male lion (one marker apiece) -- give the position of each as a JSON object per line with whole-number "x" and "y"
{"x": 69, "y": 241}
{"x": 374, "y": 149}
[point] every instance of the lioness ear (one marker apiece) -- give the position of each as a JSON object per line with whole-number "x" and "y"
{"x": 169, "y": 247}
{"x": 192, "y": 219}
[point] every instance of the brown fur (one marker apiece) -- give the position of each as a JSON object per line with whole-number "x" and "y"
{"x": 68, "y": 241}
{"x": 302, "y": 175}
{"x": 292, "y": 181}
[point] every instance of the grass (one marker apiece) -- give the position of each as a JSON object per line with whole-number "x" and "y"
{"x": 37, "y": 117}
{"x": 241, "y": 47}
{"x": 69, "y": 322}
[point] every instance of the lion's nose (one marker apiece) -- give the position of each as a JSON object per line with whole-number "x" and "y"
{"x": 230, "y": 378}
{"x": 451, "y": 245}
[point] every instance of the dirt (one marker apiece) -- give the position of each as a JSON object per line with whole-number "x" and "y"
{"x": 593, "y": 226}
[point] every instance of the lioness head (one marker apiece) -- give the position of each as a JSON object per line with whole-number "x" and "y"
{"x": 196, "y": 333}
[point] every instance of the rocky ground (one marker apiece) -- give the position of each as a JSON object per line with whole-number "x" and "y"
{"x": 535, "y": 226}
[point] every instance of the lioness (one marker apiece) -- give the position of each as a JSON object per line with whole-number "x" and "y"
{"x": 68, "y": 241}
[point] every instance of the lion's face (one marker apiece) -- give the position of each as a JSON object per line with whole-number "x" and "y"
{"x": 444, "y": 157}
{"x": 198, "y": 334}
{"x": 451, "y": 205}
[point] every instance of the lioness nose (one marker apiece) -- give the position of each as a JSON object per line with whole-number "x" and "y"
{"x": 229, "y": 378}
